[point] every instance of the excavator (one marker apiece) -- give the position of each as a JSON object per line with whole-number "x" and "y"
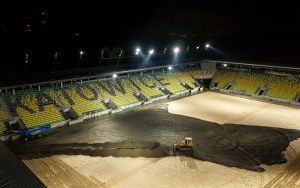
{"x": 183, "y": 146}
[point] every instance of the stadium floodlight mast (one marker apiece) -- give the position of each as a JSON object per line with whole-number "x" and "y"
{"x": 114, "y": 75}
{"x": 176, "y": 49}
{"x": 151, "y": 51}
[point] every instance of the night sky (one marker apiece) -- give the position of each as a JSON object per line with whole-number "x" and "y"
{"x": 240, "y": 30}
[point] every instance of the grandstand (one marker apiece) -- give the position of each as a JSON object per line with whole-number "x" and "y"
{"x": 280, "y": 86}
{"x": 51, "y": 104}
{"x": 284, "y": 87}
{"x": 250, "y": 82}
{"x": 3, "y": 118}
{"x": 146, "y": 86}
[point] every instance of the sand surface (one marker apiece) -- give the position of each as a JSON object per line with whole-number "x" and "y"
{"x": 88, "y": 171}
{"x": 221, "y": 108}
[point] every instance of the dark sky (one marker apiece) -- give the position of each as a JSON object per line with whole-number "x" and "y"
{"x": 163, "y": 17}
{"x": 265, "y": 31}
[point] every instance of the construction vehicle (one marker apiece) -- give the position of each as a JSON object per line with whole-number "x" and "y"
{"x": 184, "y": 146}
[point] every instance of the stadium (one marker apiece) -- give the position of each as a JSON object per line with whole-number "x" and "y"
{"x": 131, "y": 94}
{"x": 117, "y": 129}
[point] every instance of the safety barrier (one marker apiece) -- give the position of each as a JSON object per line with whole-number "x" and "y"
{"x": 76, "y": 121}
{"x": 195, "y": 90}
{"x": 180, "y": 94}
{"x": 97, "y": 114}
{"x": 126, "y": 107}
{"x": 156, "y": 99}
{"x": 60, "y": 124}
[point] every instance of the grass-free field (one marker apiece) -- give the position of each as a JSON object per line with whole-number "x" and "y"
{"x": 234, "y": 138}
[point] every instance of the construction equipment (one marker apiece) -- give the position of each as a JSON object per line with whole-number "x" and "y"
{"x": 183, "y": 145}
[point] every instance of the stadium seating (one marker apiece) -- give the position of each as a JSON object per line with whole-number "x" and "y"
{"x": 250, "y": 82}
{"x": 37, "y": 108}
{"x": 170, "y": 81}
{"x": 123, "y": 93}
{"x": 147, "y": 87}
{"x": 284, "y": 87}
{"x": 278, "y": 86}
{"x": 224, "y": 77}
{"x": 200, "y": 73}
{"x": 186, "y": 77}
{"x": 82, "y": 98}
{"x": 36, "y": 114}
{"x": 3, "y": 117}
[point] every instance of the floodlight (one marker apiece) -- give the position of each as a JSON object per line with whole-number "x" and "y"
{"x": 151, "y": 51}
{"x": 114, "y": 75}
{"x": 170, "y": 68}
{"x": 197, "y": 47}
{"x": 207, "y": 45}
{"x": 81, "y": 52}
{"x": 225, "y": 65}
{"x": 137, "y": 51}
{"x": 176, "y": 50}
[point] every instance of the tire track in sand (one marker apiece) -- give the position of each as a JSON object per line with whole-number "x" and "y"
{"x": 289, "y": 177}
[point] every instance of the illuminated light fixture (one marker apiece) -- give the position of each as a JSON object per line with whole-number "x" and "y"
{"x": 197, "y": 47}
{"x": 225, "y": 65}
{"x": 151, "y": 51}
{"x": 137, "y": 51}
{"x": 170, "y": 68}
{"x": 207, "y": 45}
{"x": 176, "y": 50}
{"x": 81, "y": 52}
{"x": 114, "y": 75}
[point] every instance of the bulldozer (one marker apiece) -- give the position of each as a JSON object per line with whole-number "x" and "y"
{"x": 184, "y": 146}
